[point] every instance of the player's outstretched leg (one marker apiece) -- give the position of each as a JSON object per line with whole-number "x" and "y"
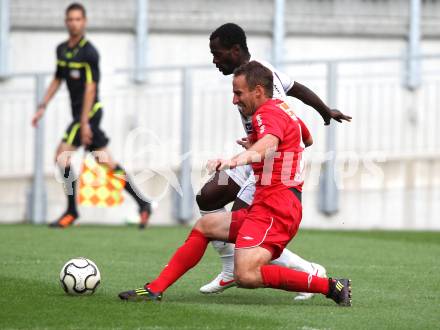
{"x": 71, "y": 213}
{"x": 225, "y": 279}
{"x": 186, "y": 257}
{"x": 291, "y": 260}
{"x": 277, "y": 277}
{"x": 213, "y": 226}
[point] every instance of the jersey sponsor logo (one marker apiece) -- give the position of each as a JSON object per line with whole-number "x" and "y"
{"x": 75, "y": 74}
{"x": 286, "y": 108}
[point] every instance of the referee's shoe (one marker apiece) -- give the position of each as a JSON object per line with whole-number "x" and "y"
{"x": 66, "y": 220}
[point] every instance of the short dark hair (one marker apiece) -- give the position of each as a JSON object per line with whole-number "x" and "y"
{"x": 230, "y": 34}
{"x": 76, "y": 6}
{"x": 256, "y": 74}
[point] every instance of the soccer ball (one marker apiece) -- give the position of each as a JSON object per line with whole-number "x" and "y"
{"x": 79, "y": 277}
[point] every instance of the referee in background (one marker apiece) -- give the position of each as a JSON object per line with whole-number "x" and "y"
{"x": 78, "y": 65}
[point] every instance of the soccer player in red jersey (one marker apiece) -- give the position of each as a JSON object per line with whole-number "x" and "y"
{"x": 263, "y": 230}
{"x": 229, "y": 50}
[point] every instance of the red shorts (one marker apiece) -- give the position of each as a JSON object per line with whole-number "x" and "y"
{"x": 270, "y": 223}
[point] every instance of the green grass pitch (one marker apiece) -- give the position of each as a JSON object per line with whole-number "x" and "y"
{"x": 395, "y": 276}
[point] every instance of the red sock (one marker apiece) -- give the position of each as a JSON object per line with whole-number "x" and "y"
{"x": 185, "y": 258}
{"x": 283, "y": 278}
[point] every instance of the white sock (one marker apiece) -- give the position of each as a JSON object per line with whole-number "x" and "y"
{"x": 291, "y": 260}
{"x": 225, "y": 250}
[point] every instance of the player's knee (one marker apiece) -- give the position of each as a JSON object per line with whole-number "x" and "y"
{"x": 245, "y": 279}
{"x": 203, "y": 225}
{"x": 206, "y": 225}
{"x": 63, "y": 156}
{"x": 246, "y": 276}
{"x": 208, "y": 201}
{"x": 216, "y": 193}
{"x": 201, "y": 202}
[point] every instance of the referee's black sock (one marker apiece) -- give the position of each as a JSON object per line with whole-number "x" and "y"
{"x": 131, "y": 188}
{"x": 70, "y": 189}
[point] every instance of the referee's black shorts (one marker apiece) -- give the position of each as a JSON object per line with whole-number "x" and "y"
{"x": 72, "y": 135}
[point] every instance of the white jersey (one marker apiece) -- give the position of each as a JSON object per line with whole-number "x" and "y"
{"x": 282, "y": 83}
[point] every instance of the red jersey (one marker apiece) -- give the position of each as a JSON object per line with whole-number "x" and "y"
{"x": 305, "y": 133}
{"x": 284, "y": 169}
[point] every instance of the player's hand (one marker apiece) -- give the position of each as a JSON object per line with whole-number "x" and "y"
{"x": 86, "y": 134}
{"x": 212, "y": 165}
{"x": 335, "y": 115}
{"x": 220, "y": 165}
{"x": 245, "y": 142}
{"x": 37, "y": 116}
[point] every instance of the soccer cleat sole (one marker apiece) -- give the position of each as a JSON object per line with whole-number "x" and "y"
{"x": 139, "y": 295}
{"x": 349, "y": 301}
{"x": 340, "y": 291}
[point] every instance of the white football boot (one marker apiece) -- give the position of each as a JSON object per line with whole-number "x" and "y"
{"x": 318, "y": 270}
{"x": 219, "y": 284}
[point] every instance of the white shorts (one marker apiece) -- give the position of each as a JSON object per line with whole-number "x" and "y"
{"x": 240, "y": 174}
{"x": 244, "y": 177}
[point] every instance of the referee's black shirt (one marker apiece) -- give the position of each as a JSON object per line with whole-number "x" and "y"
{"x": 77, "y": 66}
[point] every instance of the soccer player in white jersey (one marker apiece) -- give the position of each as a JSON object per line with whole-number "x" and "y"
{"x": 229, "y": 50}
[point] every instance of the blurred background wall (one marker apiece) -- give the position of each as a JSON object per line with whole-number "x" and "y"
{"x": 388, "y": 158}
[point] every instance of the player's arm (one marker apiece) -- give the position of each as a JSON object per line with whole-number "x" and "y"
{"x": 88, "y": 100}
{"x": 246, "y": 142}
{"x": 50, "y": 92}
{"x": 261, "y": 149}
{"x": 308, "y": 97}
{"x": 92, "y": 78}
